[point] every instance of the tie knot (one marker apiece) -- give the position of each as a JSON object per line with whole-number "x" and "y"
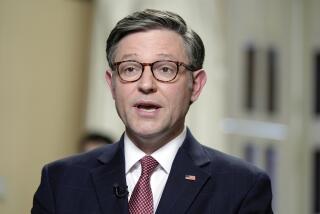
{"x": 148, "y": 165}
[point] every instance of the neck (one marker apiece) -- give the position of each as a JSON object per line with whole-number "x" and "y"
{"x": 149, "y": 144}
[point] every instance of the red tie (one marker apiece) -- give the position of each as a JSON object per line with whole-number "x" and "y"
{"x": 141, "y": 201}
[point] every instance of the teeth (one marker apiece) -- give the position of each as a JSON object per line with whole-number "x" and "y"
{"x": 147, "y": 108}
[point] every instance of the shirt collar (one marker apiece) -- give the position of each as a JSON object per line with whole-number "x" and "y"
{"x": 164, "y": 155}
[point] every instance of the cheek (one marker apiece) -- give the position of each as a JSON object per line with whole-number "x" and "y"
{"x": 180, "y": 99}
{"x": 190, "y": 83}
{"x": 121, "y": 98}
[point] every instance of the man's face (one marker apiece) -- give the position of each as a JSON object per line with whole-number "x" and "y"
{"x": 153, "y": 110}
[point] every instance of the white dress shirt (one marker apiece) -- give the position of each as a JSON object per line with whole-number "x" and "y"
{"x": 164, "y": 155}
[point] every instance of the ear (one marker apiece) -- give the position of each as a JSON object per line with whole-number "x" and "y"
{"x": 199, "y": 80}
{"x": 108, "y": 77}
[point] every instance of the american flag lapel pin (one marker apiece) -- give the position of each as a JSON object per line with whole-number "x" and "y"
{"x": 190, "y": 177}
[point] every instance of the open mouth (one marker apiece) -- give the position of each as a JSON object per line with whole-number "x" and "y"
{"x": 148, "y": 107}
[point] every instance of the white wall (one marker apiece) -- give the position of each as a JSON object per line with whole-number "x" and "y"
{"x": 291, "y": 27}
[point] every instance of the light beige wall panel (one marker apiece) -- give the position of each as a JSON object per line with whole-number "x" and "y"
{"x": 43, "y": 63}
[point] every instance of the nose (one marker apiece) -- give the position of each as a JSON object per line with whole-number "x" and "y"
{"x": 147, "y": 83}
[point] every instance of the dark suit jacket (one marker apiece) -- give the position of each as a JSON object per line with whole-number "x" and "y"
{"x": 84, "y": 184}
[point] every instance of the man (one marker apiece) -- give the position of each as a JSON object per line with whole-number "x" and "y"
{"x": 157, "y": 166}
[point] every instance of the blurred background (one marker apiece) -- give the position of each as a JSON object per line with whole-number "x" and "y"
{"x": 261, "y": 101}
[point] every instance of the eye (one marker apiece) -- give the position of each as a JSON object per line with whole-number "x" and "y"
{"x": 165, "y": 68}
{"x": 129, "y": 68}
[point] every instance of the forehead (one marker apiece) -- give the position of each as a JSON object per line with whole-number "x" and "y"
{"x": 151, "y": 45}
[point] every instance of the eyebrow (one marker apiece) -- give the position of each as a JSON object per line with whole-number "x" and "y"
{"x": 128, "y": 56}
{"x": 162, "y": 56}
{"x": 167, "y": 56}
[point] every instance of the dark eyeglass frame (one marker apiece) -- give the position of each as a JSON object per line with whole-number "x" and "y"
{"x": 143, "y": 65}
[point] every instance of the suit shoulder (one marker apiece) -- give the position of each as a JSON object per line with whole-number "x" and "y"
{"x": 225, "y": 163}
{"x": 82, "y": 160}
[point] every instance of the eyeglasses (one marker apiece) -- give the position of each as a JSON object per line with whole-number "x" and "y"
{"x": 163, "y": 71}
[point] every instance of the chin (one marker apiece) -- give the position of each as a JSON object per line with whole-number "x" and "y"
{"x": 147, "y": 132}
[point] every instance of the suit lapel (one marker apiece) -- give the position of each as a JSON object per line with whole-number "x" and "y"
{"x": 180, "y": 191}
{"x": 111, "y": 172}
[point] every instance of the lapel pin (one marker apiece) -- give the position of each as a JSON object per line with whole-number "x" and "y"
{"x": 190, "y": 177}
